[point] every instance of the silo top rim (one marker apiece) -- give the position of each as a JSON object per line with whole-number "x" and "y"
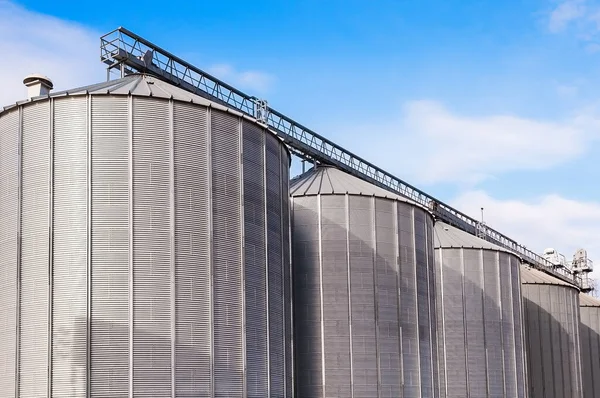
{"x": 446, "y": 236}
{"x": 585, "y": 300}
{"x": 328, "y": 180}
{"x": 532, "y": 276}
{"x": 137, "y": 85}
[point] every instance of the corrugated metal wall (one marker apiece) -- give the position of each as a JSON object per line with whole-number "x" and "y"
{"x": 480, "y": 338}
{"x": 590, "y": 351}
{"x": 551, "y": 315}
{"x": 364, "y": 298}
{"x": 155, "y": 251}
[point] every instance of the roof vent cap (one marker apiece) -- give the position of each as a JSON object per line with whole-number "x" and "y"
{"x": 37, "y": 85}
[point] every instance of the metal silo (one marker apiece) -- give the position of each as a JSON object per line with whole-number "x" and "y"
{"x": 480, "y": 336}
{"x": 551, "y": 316}
{"x": 589, "y": 330}
{"x": 144, "y": 247}
{"x": 363, "y": 289}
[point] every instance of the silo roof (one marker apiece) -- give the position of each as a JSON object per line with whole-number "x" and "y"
{"x": 446, "y": 236}
{"x": 585, "y": 300}
{"x": 532, "y": 276}
{"x": 328, "y": 180}
{"x": 136, "y": 85}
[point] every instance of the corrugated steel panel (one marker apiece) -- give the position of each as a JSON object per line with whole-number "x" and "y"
{"x": 192, "y": 251}
{"x": 9, "y": 186}
{"x": 552, "y": 332}
{"x": 363, "y": 261}
{"x": 151, "y": 249}
{"x": 287, "y": 282}
{"x": 227, "y": 256}
{"x": 109, "y": 362}
{"x": 275, "y": 265}
{"x": 35, "y": 244}
{"x": 69, "y": 264}
{"x": 590, "y": 345}
{"x": 255, "y": 261}
{"x": 479, "y": 322}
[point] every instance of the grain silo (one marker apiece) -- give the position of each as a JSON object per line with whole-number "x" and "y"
{"x": 144, "y": 247}
{"x": 363, "y": 289}
{"x": 551, "y": 317}
{"x": 589, "y": 330}
{"x": 480, "y": 336}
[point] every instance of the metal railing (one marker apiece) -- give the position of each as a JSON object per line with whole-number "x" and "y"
{"x": 130, "y": 53}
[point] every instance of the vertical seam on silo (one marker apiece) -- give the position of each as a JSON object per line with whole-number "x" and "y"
{"x": 291, "y": 297}
{"x": 88, "y": 351}
{"x": 512, "y": 325}
{"x": 375, "y": 291}
{"x": 464, "y": 316}
{"x": 321, "y": 295}
{"x": 443, "y": 315}
{"x": 539, "y": 339}
{"x": 266, "y": 232}
{"x": 414, "y": 246}
{"x": 210, "y": 251}
{"x": 347, "y": 217}
{"x": 130, "y": 238}
{"x": 501, "y": 313}
{"x": 485, "y": 344}
{"x": 551, "y": 348}
{"x": 524, "y": 353}
{"x": 281, "y": 240}
{"x": 173, "y": 285}
{"x": 430, "y": 287}
{"x": 50, "y": 243}
{"x": 398, "y": 296}
{"x": 19, "y": 254}
{"x": 242, "y": 258}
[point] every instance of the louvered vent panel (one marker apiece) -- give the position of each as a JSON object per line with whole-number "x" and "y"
{"x": 335, "y": 296}
{"x": 34, "y": 260}
{"x": 493, "y": 325}
{"x": 307, "y": 297}
{"x": 9, "y": 143}
{"x": 69, "y": 305}
{"x": 227, "y": 265}
{"x": 387, "y": 299}
{"x": 274, "y": 239}
{"x": 110, "y": 247}
{"x": 285, "y": 200}
{"x": 151, "y": 249}
{"x": 192, "y": 252}
{"x": 474, "y": 322}
{"x": 408, "y": 300}
{"x": 255, "y": 261}
{"x": 364, "y": 355}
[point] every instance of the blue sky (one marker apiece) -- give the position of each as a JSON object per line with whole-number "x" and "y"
{"x": 481, "y": 103}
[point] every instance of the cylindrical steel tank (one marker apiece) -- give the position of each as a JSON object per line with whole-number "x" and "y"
{"x": 551, "y": 316}
{"x": 363, "y": 289}
{"x": 480, "y": 335}
{"x": 144, "y": 247}
{"x": 589, "y": 330}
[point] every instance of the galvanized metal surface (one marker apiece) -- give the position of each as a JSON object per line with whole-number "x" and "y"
{"x": 363, "y": 288}
{"x": 590, "y": 345}
{"x": 142, "y": 272}
{"x": 480, "y": 336}
{"x": 551, "y": 316}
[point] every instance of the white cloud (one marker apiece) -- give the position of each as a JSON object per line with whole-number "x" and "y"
{"x": 564, "y": 13}
{"x": 66, "y": 52}
{"x": 430, "y": 144}
{"x": 251, "y": 80}
{"x": 548, "y": 221}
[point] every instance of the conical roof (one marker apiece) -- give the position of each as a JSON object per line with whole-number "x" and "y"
{"x": 446, "y": 236}
{"x": 328, "y": 180}
{"x": 585, "y": 300}
{"x": 137, "y": 85}
{"x": 532, "y": 276}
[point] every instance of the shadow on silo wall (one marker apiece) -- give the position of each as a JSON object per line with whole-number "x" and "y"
{"x": 552, "y": 348}
{"x": 413, "y": 378}
{"x": 590, "y": 353}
